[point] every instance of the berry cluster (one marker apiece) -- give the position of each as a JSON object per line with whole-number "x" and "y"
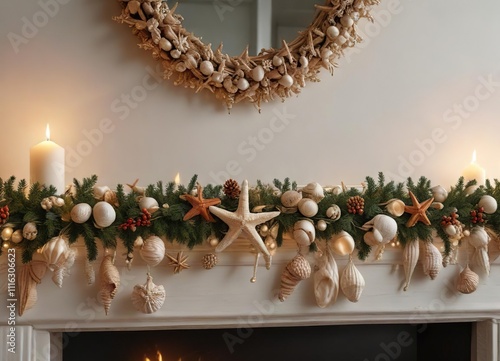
{"x": 143, "y": 220}
{"x": 4, "y": 214}
{"x": 355, "y": 205}
{"x": 452, "y": 219}
{"x": 477, "y": 216}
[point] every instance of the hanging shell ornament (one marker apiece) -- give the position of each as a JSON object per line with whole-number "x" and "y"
{"x": 153, "y": 250}
{"x": 326, "y": 279}
{"x": 467, "y": 281}
{"x": 148, "y": 298}
{"x": 342, "y": 243}
{"x": 432, "y": 259}
{"x": 104, "y": 214}
{"x": 81, "y": 213}
{"x": 296, "y": 270}
{"x": 333, "y": 212}
{"x": 304, "y": 232}
{"x": 411, "y": 253}
{"x": 314, "y": 191}
{"x": 352, "y": 282}
{"x": 109, "y": 281}
{"x": 55, "y": 252}
{"x": 29, "y": 231}
{"x": 479, "y": 239}
{"x": 380, "y": 230}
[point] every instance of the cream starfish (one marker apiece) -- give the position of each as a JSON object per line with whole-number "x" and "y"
{"x": 243, "y": 222}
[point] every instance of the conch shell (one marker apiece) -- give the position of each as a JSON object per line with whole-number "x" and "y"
{"x": 410, "y": 259}
{"x": 432, "y": 261}
{"x": 467, "y": 281}
{"x": 59, "y": 258}
{"x": 109, "y": 281}
{"x": 296, "y": 270}
{"x": 326, "y": 279}
{"x": 479, "y": 239}
{"x": 148, "y": 298}
{"x": 352, "y": 282}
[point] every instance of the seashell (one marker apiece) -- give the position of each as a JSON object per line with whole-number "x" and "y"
{"x": 333, "y": 212}
{"x": 29, "y": 231}
{"x": 439, "y": 193}
{"x": 104, "y": 214}
{"x": 410, "y": 259}
{"x": 109, "y": 281}
{"x": 467, "y": 281}
{"x": 153, "y": 250}
{"x": 55, "y": 252}
{"x": 277, "y": 61}
{"x": 304, "y": 232}
{"x": 396, "y": 207}
{"x": 17, "y": 236}
{"x": 308, "y": 207}
{"x": 432, "y": 261}
{"x": 326, "y": 54}
{"x": 346, "y": 21}
{"x": 217, "y": 77}
{"x": 242, "y": 84}
{"x": 352, "y": 282}
{"x": 482, "y": 259}
{"x": 99, "y": 191}
{"x": 258, "y": 73}
{"x": 206, "y": 67}
{"x": 332, "y": 32}
{"x": 489, "y": 204}
{"x": 321, "y": 225}
{"x": 314, "y": 191}
{"x": 149, "y": 203}
{"x": 478, "y": 237}
{"x": 326, "y": 279}
{"x": 451, "y": 230}
{"x": 296, "y": 270}
{"x": 229, "y": 86}
{"x": 165, "y": 44}
{"x": 181, "y": 67}
{"x": 304, "y": 62}
{"x": 148, "y": 298}
{"x": 381, "y": 230}
{"x": 176, "y": 53}
{"x": 26, "y": 289}
{"x": 37, "y": 270}
{"x": 290, "y": 198}
{"x": 286, "y": 80}
{"x": 81, "y": 213}
{"x": 342, "y": 243}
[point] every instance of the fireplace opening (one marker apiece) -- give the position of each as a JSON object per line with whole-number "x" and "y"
{"x": 430, "y": 341}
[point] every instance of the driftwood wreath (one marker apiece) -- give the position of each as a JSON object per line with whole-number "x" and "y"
{"x": 273, "y": 73}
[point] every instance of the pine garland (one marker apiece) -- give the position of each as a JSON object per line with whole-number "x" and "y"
{"x": 25, "y": 205}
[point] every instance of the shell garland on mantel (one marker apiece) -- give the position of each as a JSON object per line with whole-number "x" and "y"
{"x": 273, "y": 73}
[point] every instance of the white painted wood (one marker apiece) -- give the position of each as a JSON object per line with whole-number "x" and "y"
{"x": 485, "y": 341}
{"x": 21, "y": 347}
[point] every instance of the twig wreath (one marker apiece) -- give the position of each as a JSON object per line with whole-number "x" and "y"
{"x": 273, "y": 73}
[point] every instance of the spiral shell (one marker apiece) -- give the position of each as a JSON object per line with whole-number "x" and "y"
{"x": 326, "y": 279}
{"x": 296, "y": 270}
{"x": 410, "y": 258}
{"x": 432, "y": 261}
{"x": 104, "y": 214}
{"x": 352, "y": 282}
{"x": 439, "y": 193}
{"x": 478, "y": 237}
{"x": 153, "y": 250}
{"x": 467, "y": 281}
{"x": 109, "y": 278}
{"x": 148, "y": 298}
{"x": 482, "y": 259}
{"x": 81, "y": 213}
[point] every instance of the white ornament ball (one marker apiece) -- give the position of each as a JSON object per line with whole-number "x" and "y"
{"x": 81, "y": 213}
{"x": 304, "y": 232}
{"x": 308, "y": 207}
{"x": 149, "y": 203}
{"x": 332, "y": 32}
{"x": 290, "y": 198}
{"x": 439, "y": 193}
{"x": 153, "y": 250}
{"x": 489, "y": 204}
{"x": 7, "y": 233}
{"x": 242, "y": 84}
{"x": 321, "y": 225}
{"x": 286, "y": 80}
{"x": 104, "y": 214}
{"x": 206, "y": 67}
{"x": 17, "y": 236}
{"x": 258, "y": 73}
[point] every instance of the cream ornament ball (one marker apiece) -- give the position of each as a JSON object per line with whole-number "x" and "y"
{"x": 17, "y": 236}
{"x": 342, "y": 243}
{"x": 153, "y": 250}
{"x": 81, "y": 213}
{"x": 304, "y": 232}
{"x": 308, "y": 207}
{"x": 149, "y": 203}
{"x": 104, "y": 214}
{"x": 7, "y": 233}
{"x": 489, "y": 204}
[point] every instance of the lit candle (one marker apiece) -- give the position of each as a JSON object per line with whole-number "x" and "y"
{"x": 47, "y": 163}
{"x": 177, "y": 180}
{"x": 474, "y": 171}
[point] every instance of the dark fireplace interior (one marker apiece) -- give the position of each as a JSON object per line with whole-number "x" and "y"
{"x": 430, "y": 341}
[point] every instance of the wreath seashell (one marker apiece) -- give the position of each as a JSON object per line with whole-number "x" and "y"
{"x": 342, "y": 243}
{"x": 467, "y": 281}
{"x": 99, "y": 192}
{"x": 326, "y": 279}
{"x": 352, "y": 282}
{"x": 396, "y": 207}
{"x": 290, "y": 198}
{"x": 296, "y": 270}
{"x": 410, "y": 258}
{"x": 439, "y": 193}
{"x": 432, "y": 261}
{"x": 149, "y": 203}
{"x": 148, "y": 298}
{"x": 29, "y": 231}
{"x": 314, "y": 191}
{"x": 153, "y": 250}
{"x": 308, "y": 207}
{"x": 304, "y": 232}
{"x": 81, "y": 213}
{"x": 55, "y": 252}
{"x": 104, "y": 214}
{"x": 109, "y": 281}
{"x": 333, "y": 212}
{"x": 381, "y": 230}
{"x": 488, "y": 203}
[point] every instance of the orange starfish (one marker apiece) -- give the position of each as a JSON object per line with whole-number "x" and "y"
{"x": 200, "y": 205}
{"x": 418, "y": 211}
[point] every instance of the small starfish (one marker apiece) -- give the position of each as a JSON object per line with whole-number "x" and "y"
{"x": 200, "y": 205}
{"x": 179, "y": 262}
{"x": 135, "y": 188}
{"x": 418, "y": 211}
{"x": 242, "y": 221}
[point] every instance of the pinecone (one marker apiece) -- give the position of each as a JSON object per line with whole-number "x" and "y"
{"x": 231, "y": 188}
{"x": 209, "y": 261}
{"x": 355, "y": 205}
{"x": 4, "y": 214}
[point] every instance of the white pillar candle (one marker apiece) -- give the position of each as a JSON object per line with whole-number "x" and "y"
{"x": 47, "y": 164}
{"x": 474, "y": 171}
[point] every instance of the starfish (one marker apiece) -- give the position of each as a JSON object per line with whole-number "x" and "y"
{"x": 243, "y": 222}
{"x": 200, "y": 205}
{"x": 179, "y": 262}
{"x": 418, "y": 211}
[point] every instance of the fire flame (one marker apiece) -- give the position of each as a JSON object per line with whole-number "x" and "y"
{"x": 474, "y": 156}
{"x": 47, "y": 132}
{"x": 159, "y": 357}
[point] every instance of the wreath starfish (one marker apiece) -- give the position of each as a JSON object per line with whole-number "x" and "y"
{"x": 200, "y": 205}
{"x": 418, "y": 211}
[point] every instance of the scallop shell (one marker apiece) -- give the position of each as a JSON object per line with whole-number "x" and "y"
{"x": 26, "y": 289}
{"x": 308, "y": 207}
{"x": 55, "y": 252}
{"x": 109, "y": 278}
{"x": 149, "y": 203}
{"x": 104, "y": 214}
{"x": 304, "y": 232}
{"x": 467, "y": 281}
{"x": 290, "y": 198}
{"x": 29, "y": 231}
{"x": 296, "y": 270}
{"x": 153, "y": 250}
{"x": 333, "y": 212}
{"x": 432, "y": 261}
{"x": 342, "y": 243}
{"x": 410, "y": 259}
{"x": 326, "y": 279}
{"x": 352, "y": 282}
{"x": 148, "y": 298}
{"x": 314, "y": 191}
{"x": 489, "y": 204}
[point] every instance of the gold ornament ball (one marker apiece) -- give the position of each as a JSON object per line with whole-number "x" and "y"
{"x": 7, "y": 233}
{"x": 213, "y": 242}
{"x": 17, "y": 236}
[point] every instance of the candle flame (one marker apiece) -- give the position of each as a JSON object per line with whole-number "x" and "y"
{"x": 474, "y": 156}
{"x": 158, "y": 355}
{"x": 47, "y": 132}
{"x": 177, "y": 179}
